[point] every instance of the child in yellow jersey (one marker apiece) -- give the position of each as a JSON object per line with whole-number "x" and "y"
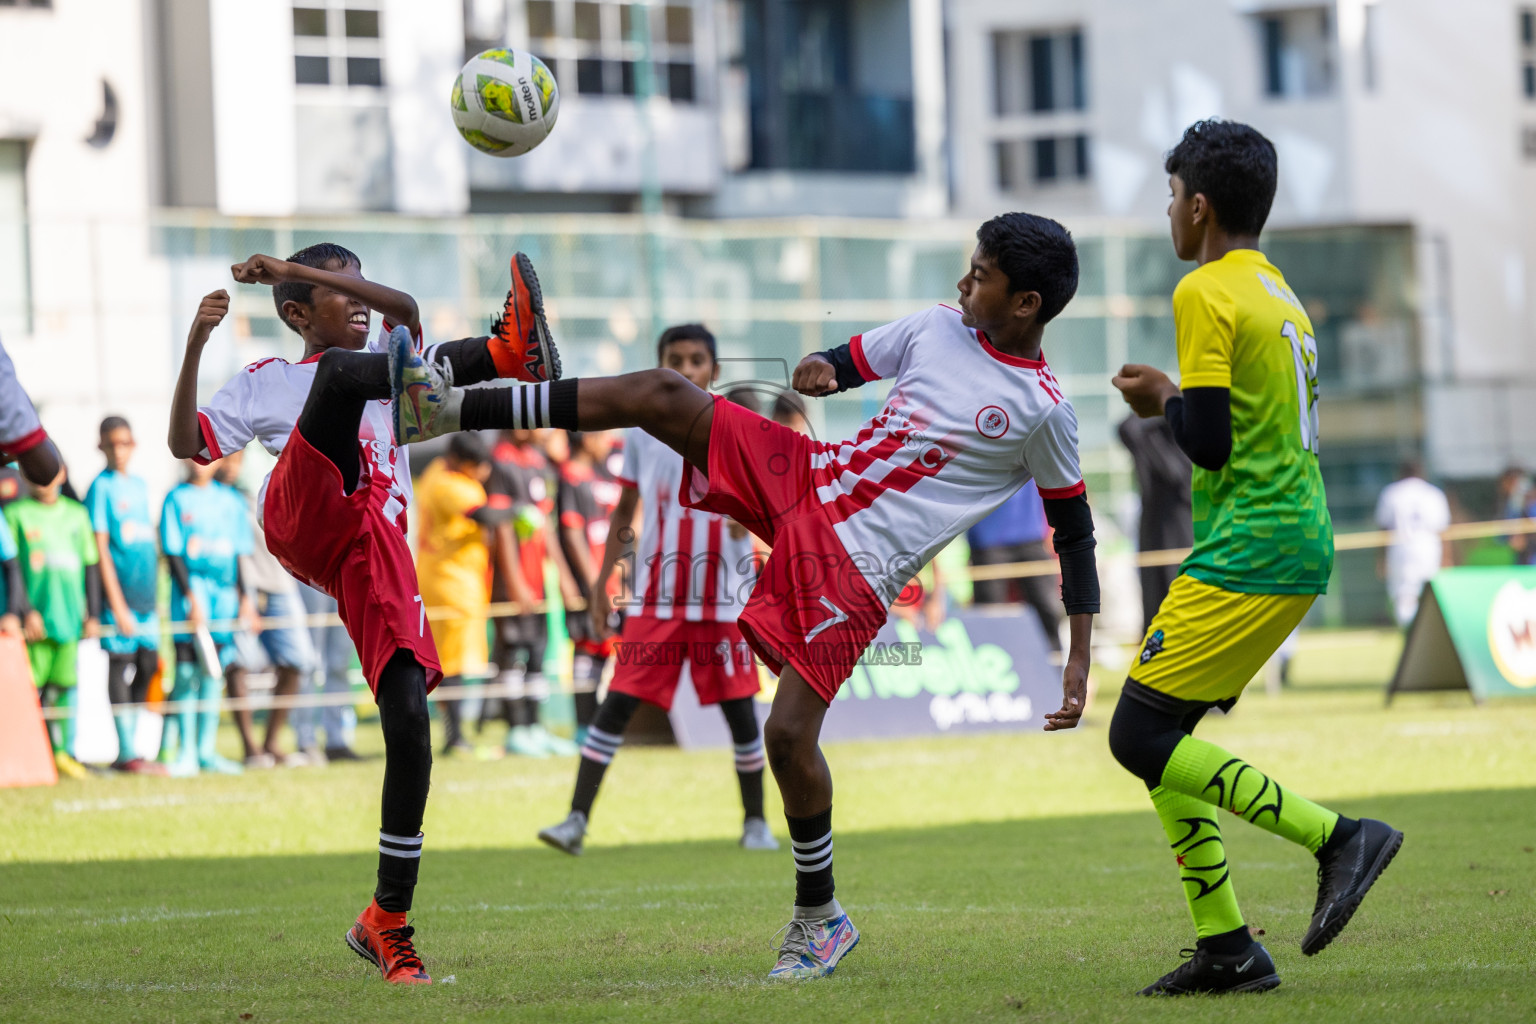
{"x": 453, "y": 563}
{"x": 1246, "y": 415}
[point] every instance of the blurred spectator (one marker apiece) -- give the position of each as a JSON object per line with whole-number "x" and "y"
{"x": 1417, "y": 513}
{"x": 1517, "y": 500}
{"x": 523, "y": 475}
{"x": 589, "y": 492}
{"x": 453, "y": 564}
{"x": 284, "y": 640}
{"x": 11, "y": 485}
{"x": 59, "y": 563}
{"x": 203, "y": 533}
{"x": 130, "y": 571}
{"x": 333, "y": 664}
{"x": 789, "y": 409}
{"x": 1015, "y": 532}
{"x": 745, "y": 395}
{"x": 1163, "y": 474}
{"x": 13, "y": 589}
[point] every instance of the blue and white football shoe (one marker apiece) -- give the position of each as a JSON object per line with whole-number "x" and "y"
{"x": 813, "y": 949}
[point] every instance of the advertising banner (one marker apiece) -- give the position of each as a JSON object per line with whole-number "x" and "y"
{"x": 979, "y": 671}
{"x": 1475, "y": 630}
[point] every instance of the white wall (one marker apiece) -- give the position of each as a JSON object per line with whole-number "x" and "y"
{"x": 253, "y": 119}
{"x": 100, "y": 342}
{"x": 423, "y": 50}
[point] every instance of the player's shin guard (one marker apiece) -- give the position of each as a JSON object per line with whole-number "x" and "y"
{"x": 1195, "y": 837}
{"x": 399, "y": 862}
{"x": 1204, "y": 770}
{"x": 812, "y": 841}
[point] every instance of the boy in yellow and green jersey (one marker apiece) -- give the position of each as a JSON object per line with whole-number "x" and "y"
{"x": 1246, "y": 414}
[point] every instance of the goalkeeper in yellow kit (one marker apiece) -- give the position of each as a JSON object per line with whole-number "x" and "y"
{"x": 1247, "y": 418}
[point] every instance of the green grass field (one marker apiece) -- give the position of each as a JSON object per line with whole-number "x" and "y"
{"x": 1004, "y": 877}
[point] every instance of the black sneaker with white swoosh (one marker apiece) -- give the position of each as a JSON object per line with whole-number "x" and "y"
{"x": 1252, "y": 970}
{"x": 1344, "y": 875}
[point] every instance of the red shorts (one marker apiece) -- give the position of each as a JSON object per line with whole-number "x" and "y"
{"x": 652, "y": 651}
{"x": 812, "y": 608}
{"x": 344, "y": 545}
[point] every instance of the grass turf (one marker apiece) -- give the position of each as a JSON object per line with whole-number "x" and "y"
{"x": 1005, "y": 877}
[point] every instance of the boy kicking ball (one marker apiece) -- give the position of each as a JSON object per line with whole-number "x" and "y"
{"x": 1247, "y": 418}
{"x": 334, "y": 507}
{"x": 973, "y": 413}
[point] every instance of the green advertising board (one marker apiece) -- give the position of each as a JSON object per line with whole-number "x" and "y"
{"x": 1475, "y": 631}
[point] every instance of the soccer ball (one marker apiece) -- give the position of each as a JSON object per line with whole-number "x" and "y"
{"x": 505, "y": 102}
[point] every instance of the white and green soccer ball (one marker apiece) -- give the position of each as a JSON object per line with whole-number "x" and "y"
{"x": 505, "y": 102}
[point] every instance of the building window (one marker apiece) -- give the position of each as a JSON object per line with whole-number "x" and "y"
{"x": 1298, "y": 51}
{"x": 596, "y": 42}
{"x": 1038, "y": 72}
{"x": 336, "y": 44}
{"x": 1025, "y": 164}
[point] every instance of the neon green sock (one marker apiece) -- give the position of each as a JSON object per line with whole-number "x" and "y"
{"x": 1202, "y": 857}
{"x": 1203, "y": 770}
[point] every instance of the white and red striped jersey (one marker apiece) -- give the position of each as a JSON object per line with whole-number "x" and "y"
{"x": 687, "y": 565}
{"x": 963, "y": 427}
{"x": 263, "y": 401}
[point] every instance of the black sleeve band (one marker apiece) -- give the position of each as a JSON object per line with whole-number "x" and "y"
{"x": 178, "y": 567}
{"x": 93, "y": 591}
{"x": 841, "y": 358}
{"x": 490, "y": 515}
{"x": 15, "y": 589}
{"x": 1201, "y": 419}
{"x": 1072, "y": 521}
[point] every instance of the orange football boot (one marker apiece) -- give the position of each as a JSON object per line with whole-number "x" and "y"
{"x": 384, "y": 940}
{"x": 520, "y": 342}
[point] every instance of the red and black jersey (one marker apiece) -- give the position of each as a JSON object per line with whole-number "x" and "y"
{"x": 523, "y": 475}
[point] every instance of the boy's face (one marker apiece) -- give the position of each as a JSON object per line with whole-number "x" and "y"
{"x": 794, "y": 421}
{"x": 479, "y": 471}
{"x": 199, "y": 475}
{"x": 331, "y": 319}
{"x": 48, "y": 493}
{"x": 690, "y": 357}
{"x": 1188, "y": 216}
{"x": 227, "y": 469}
{"x": 986, "y": 304}
{"x": 597, "y": 445}
{"x": 117, "y": 445}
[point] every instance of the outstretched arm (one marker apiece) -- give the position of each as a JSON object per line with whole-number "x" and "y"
{"x": 828, "y": 372}
{"x": 186, "y": 436}
{"x": 1072, "y": 521}
{"x": 1201, "y": 418}
{"x": 397, "y": 306}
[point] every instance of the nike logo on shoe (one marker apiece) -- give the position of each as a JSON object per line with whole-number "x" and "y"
{"x": 1246, "y": 964}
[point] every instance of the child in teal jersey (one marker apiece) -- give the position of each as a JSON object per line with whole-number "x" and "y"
{"x": 118, "y": 503}
{"x": 203, "y": 533}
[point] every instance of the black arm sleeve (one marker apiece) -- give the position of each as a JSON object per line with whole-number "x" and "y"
{"x": 93, "y": 591}
{"x": 15, "y": 589}
{"x": 178, "y": 567}
{"x": 1201, "y": 419}
{"x": 1072, "y": 520}
{"x": 841, "y": 358}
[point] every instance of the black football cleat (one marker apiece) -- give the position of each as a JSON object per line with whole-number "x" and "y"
{"x": 1344, "y": 877}
{"x": 1252, "y": 970}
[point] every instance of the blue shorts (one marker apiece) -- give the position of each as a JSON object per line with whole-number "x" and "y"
{"x": 287, "y": 646}
{"x": 146, "y": 633}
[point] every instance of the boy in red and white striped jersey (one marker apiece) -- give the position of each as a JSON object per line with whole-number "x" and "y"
{"x": 693, "y": 572}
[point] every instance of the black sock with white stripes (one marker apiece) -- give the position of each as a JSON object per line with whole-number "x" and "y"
{"x": 749, "y": 776}
{"x": 812, "y": 841}
{"x": 521, "y": 407}
{"x": 399, "y": 861}
{"x": 596, "y": 754}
